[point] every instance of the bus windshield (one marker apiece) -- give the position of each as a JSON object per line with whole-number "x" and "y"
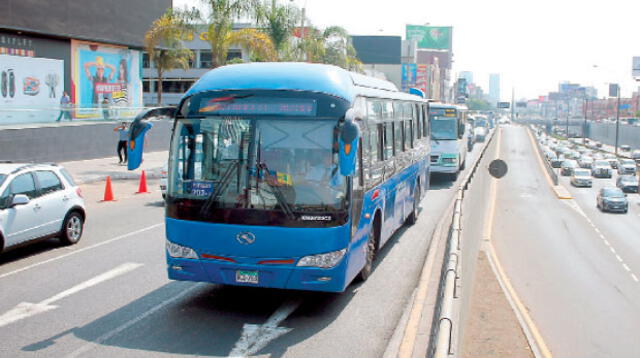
{"x": 444, "y": 129}
{"x": 284, "y": 166}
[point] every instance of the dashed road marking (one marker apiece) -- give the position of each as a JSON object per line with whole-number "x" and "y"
{"x": 613, "y": 251}
{"x": 619, "y": 258}
{"x": 626, "y": 267}
{"x": 634, "y": 277}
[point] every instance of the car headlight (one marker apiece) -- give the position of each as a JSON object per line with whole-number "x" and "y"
{"x": 179, "y": 251}
{"x": 328, "y": 260}
{"x": 449, "y": 160}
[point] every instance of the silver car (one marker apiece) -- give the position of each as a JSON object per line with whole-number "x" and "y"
{"x": 627, "y": 166}
{"x": 39, "y": 201}
{"x": 581, "y": 178}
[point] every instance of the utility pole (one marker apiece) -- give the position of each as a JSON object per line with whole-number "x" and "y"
{"x": 584, "y": 126}
{"x": 567, "y": 124}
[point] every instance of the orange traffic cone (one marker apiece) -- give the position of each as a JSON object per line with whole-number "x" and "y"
{"x": 108, "y": 191}
{"x": 142, "y": 188}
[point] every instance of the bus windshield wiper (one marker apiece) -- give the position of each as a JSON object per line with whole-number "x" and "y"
{"x": 224, "y": 182}
{"x": 286, "y": 208}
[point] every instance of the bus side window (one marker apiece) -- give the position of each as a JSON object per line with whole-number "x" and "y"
{"x": 374, "y": 143}
{"x": 417, "y": 122}
{"x": 358, "y": 179}
{"x": 388, "y": 140}
{"x": 397, "y": 136}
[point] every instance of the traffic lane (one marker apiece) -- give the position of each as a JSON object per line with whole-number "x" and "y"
{"x": 105, "y": 220}
{"x": 622, "y": 230}
{"x": 141, "y": 286}
{"x": 577, "y": 293}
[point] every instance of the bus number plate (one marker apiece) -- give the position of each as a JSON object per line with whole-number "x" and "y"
{"x": 247, "y": 277}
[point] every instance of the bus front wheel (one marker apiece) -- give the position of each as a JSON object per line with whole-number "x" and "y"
{"x": 370, "y": 253}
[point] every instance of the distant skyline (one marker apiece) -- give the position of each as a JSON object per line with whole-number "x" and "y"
{"x": 534, "y": 46}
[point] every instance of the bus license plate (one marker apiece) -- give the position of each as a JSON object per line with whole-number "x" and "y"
{"x": 247, "y": 277}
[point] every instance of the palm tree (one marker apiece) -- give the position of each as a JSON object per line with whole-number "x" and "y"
{"x": 278, "y": 22}
{"x": 221, "y": 35}
{"x": 163, "y": 42}
{"x": 332, "y": 46}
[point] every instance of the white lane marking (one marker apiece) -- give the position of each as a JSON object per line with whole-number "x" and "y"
{"x": 606, "y": 242}
{"x": 124, "y": 236}
{"x": 618, "y": 258}
{"x": 602, "y": 237}
{"x": 25, "y": 309}
{"x": 613, "y": 251}
{"x": 103, "y": 338}
{"x": 255, "y": 337}
{"x": 626, "y": 267}
{"x": 634, "y": 277}
{"x": 596, "y": 229}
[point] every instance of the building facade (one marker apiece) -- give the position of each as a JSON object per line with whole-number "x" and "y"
{"x": 494, "y": 87}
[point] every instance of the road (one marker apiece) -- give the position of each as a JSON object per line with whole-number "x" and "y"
{"x": 109, "y": 296}
{"x": 574, "y": 268}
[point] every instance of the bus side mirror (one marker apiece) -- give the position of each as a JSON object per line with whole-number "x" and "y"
{"x": 348, "y": 144}
{"x": 137, "y": 131}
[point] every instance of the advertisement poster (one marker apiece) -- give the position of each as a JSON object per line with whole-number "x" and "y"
{"x": 105, "y": 77}
{"x": 409, "y": 74}
{"x": 431, "y": 37}
{"x": 422, "y": 78}
{"x": 30, "y": 89}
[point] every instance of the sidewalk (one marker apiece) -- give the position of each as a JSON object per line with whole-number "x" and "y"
{"x": 93, "y": 170}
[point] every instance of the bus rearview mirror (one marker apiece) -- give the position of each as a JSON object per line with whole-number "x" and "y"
{"x": 137, "y": 131}
{"x": 348, "y": 147}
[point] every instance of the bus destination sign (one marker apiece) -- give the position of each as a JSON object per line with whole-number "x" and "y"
{"x": 231, "y": 106}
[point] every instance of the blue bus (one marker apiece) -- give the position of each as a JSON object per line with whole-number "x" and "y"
{"x": 289, "y": 175}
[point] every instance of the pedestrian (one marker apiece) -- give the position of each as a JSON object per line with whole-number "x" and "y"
{"x": 105, "y": 108}
{"x": 123, "y": 132}
{"x": 65, "y": 104}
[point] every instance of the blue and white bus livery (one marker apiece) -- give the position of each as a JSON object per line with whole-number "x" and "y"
{"x": 291, "y": 175}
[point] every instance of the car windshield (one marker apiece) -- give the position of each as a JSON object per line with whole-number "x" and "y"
{"x": 2, "y": 178}
{"x": 444, "y": 128}
{"x": 629, "y": 179}
{"x": 627, "y": 162}
{"x": 602, "y": 163}
{"x": 569, "y": 163}
{"x": 582, "y": 173}
{"x": 612, "y": 193}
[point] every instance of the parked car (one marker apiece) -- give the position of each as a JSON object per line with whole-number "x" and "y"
{"x": 585, "y": 162}
{"x": 567, "y": 167}
{"x": 612, "y": 199}
{"x": 39, "y": 201}
{"x": 627, "y": 183}
{"x": 627, "y": 166}
{"x": 581, "y": 178}
{"x": 601, "y": 169}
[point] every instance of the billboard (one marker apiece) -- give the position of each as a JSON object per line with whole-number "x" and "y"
{"x": 378, "y": 49}
{"x": 430, "y": 37}
{"x": 635, "y": 69}
{"x": 30, "y": 85}
{"x": 102, "y": 72}
{"x": 422, "y": 78}
{"x": 409, "y": 74}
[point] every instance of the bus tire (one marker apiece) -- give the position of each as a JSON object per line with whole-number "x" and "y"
{"x": 370, "y": 255}
{"x": 413, "y": 217}
{"x": 453, "y": 176}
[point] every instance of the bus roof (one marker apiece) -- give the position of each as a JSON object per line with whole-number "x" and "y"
{"x": 297, "y": 76}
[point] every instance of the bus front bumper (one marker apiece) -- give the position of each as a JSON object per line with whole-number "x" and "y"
{"x": 448, "y": 169}
{"x": 271, "y": 276}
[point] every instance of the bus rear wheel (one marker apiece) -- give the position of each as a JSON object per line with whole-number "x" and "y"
{"x": 413, "y": 217}
{"x": 370, "y": 254}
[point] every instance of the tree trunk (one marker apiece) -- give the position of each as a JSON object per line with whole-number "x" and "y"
{"x": 159, "y": 86}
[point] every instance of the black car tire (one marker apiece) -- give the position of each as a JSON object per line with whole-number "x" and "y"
{"x": 72, "y": 228}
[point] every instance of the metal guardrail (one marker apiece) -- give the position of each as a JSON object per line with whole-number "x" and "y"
{"x": 445, "y": 314}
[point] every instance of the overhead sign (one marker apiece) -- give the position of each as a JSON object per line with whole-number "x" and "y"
{"x": 504, "y": 105}
{"x": 430, "y": 37}
{"x": 635, "y": 69}
{"x": 521, "y": 104}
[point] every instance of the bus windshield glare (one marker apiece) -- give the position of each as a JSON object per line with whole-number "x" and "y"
{"x": 444, "y": 128}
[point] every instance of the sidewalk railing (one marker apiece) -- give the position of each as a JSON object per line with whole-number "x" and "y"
{"x": 57, "y": 114}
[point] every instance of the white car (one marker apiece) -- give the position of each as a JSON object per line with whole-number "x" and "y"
{"x": 601, "y": 169}
{"x": 581, "y": 178}
{"x": 39, "y": 201}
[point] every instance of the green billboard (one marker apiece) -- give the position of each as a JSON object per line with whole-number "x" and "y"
{"x": 430, "y": 37}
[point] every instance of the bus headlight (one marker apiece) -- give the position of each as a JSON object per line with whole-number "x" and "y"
{"x": 328, "y": 260}
{"x": 179, "y": 251}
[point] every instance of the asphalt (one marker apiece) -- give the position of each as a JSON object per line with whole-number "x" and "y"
{"x": 112, "y": 297}
{"x": 570, "y": 264}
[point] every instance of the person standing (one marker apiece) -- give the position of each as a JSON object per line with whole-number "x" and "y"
{"x": 65, "y": 104}
{"x": 123, "y": 132}
{"x": 105, "y": 108}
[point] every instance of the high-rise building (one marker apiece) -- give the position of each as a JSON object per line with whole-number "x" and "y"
{"x": 494, "y": 87}
{"x": 467, "y": 75}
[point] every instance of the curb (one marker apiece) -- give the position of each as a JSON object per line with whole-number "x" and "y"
{"x": 151, "y": 173}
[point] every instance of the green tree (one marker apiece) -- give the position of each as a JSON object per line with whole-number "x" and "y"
{"x": 221, "y": 36}
{"x": 278, "y": 22}
{"x": 477, "y": 104}
{"x": 332, "y": 46}
{"x": 163, "y": 42}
